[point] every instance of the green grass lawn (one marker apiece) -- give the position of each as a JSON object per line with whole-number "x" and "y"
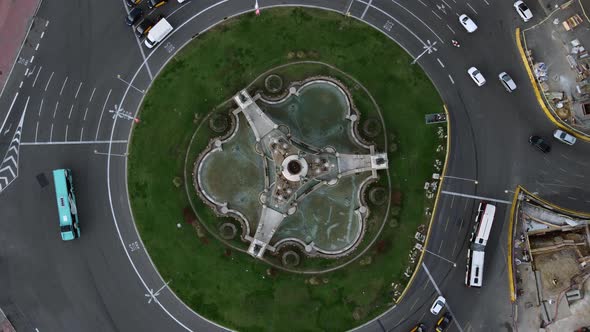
{"x": 229, "y": 287}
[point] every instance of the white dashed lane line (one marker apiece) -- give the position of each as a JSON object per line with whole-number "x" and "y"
{"x": 440, "y": 62}
{"x": 451, "y": 78}
{"x": 472, "y": 8}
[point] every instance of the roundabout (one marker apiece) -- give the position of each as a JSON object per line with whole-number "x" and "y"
{"x": 280, "y": 197}
{"x": 76, "y": 102}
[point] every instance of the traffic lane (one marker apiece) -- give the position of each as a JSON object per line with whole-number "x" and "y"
{"x": 83, "y": 278}
{"x": 465, "y": 300}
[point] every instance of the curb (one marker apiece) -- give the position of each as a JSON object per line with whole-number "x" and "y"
{"x": 511, "y": 282}
{"x": 444, "y": 171}
{"x": 540, "y": 100}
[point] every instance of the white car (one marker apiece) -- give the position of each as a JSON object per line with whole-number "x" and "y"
{"x": 564, "y": 137}
{"x": 476, "y": 76}
{"x": 437, "y": 306}
{"x": 467, "y": 23}
{"x": 507, "y": 82}
{"x": 523, "y": 10}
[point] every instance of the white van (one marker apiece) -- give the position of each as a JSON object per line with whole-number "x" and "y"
{"x": 157, "y": 33}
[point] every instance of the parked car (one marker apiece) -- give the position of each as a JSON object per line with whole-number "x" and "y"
{"x": 132, "y": 3}
{"x": 144, "y": 27}
{"x": 156, "y": 3}
{"x": 564, "y": 137}
{"x": 444, "y": 322}
{"x": 134, "y": 16}
{"x": 522, "y": 10}
{"x": 437, "y": 306}
{"x": 419, "y": 328}
{"x": 507, "y": 81}
{"x": 467, "y": 23}
{"x": 476, "y": 76}
{"x": 540, "y": 143}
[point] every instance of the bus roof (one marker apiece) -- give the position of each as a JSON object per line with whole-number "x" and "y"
{"x": 486, "y": 219}
{"x": 66, "y": 223}
{"x": 476, "y": 271}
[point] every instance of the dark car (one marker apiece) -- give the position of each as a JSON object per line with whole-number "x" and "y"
{"x": 134, "y": 16}
{"x": 540, "y": 143}
{"x": 419, "y": 328}
{"x": 156, "y": 3}
{"x": 144, "y": 27}
{"x": 132, "y": 3}
{"x": 444, "y": 322}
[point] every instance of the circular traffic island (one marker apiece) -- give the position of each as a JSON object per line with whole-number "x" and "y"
{"x": 289, "y": 181}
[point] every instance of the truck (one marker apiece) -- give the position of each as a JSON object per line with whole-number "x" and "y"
{"x": 158, "y": 33}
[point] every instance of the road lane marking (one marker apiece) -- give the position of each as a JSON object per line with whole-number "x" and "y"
{"x": 454, "y": 248}
{"x": 487, "y": 3}
{"x": 468, "y": 5}
{"x": 451, "y": 78}
{"x": 435, "y": 14}
{"x": 47, "y": 85}
{"x": 63, "y": 86}
{"x": 453, "y": 31}
{"x": 55, "y": 111}
{"x": 36, "y": 130}
{"x": 563, "y": 170}
{"x": 81, "y": 134}
{"x": 477, "y": 197}
{"x": 447, "y": 223}
{"x": 20, "y": 85}
{"x": 461, "y": 225}
{"x": 440, "y": 62}
{"x": 415, "y": 302}
{"x": 440, "y": 293}
{"x": 399, "y": 23}
{"x": 51, "y": 133}
{"x": 446, "y": 4}
{"x": 7, "y": 114}
{"x": 37, "y": 76}
{"x": 74, "y": 142}
{"x": 92, "y": 95}
{"x": 40, "y": 107}
{"x": 366, "y": 8}
{"x": 101, "y": 113}
{"x": 66, "y": 133}
{"x": 85, "y": 112}
{"x": 79, "y": 86}
{"x": 70, "y": 114}
{"x": 572, "y": 198}
{"x": 440, "y": 247}
{"x": 452, "y": 201}
{"x": 417, "y": 18}
{"x": 420, "y": 1}
{"x": 42, "y": 34}
{"x": 579, "y": 175}
{"x": 32, "y": 58}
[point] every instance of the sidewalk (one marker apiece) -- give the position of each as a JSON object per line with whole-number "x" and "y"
{"x": 15, "y": 18}
{"x": 557, "y": 49}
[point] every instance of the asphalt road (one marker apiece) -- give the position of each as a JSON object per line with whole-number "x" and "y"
{"x": 89, "y": 64}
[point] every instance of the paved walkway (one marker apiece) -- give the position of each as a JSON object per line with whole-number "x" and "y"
{"x": 15, "y": 17}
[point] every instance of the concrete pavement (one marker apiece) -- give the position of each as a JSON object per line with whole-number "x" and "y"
{"x": 15, "y": 19}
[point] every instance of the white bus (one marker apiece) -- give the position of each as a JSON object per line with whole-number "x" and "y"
{"x": 478, "y": 241}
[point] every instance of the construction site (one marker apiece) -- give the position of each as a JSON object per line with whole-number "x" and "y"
{"x": 552, "y": 267}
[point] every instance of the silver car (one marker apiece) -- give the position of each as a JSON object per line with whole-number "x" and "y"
{"x": 564, "y": 137}
{"x": 507, "y": 82}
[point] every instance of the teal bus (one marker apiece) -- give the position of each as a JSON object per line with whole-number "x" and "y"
{"x": 66, "y": 204}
